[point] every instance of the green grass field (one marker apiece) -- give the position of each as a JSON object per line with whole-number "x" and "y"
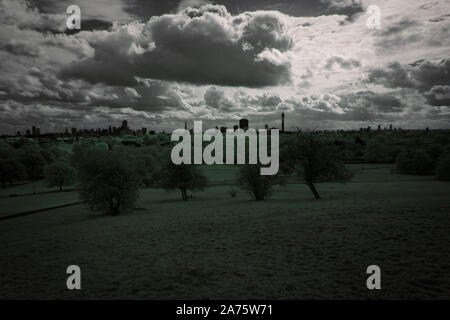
{"x": 217, "y": 247}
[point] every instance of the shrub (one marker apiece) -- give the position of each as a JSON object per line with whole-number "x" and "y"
{"x": 183, "y": 177}
{"x": 443, "y": 168}
{"x": 11, "y": 171}
{"x": 259, "y": 186}
{"x": 232, "y": 192}
{"x": 417, "y": 162}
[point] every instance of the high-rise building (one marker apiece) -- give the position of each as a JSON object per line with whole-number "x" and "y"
{"x": 282, "y": 122}
{"x": 243, "y": 124}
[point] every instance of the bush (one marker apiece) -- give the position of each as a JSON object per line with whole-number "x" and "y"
{"x": 443, "y": 168}
{"x": 417, "y": 162}
{"x": 259, "y": 186}
{"x": 11, "y": 171}
{"x": 183, "y": 177}
{"x": 232, "y": 192}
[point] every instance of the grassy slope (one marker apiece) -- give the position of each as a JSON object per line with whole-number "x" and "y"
{"x": 290, "y": 246}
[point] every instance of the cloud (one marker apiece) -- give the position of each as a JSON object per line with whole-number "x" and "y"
{"x": 341, "y": 4}
{"x": 218, "y": 64}
{"x": 191, "y": 3}
{"x": 422, "y": 75}
{"x": 216, "y": 98}
{"x": 19, "y": 47}
{"x": 393, "y": 76}
{"x": 205, "y": 45}
{"x": 18, "y": 13}
{"x": 344, "y": 64}
{"x": 438, "y": 95}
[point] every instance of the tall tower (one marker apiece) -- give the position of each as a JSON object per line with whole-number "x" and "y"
{"x": 282, "y": 122}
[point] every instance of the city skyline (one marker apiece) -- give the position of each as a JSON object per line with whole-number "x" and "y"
{"x": 316, "y": 61}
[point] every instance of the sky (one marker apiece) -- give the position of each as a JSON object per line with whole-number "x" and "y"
{"x": 158, "y": 64}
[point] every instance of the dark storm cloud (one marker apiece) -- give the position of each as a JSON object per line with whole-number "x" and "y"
{"x": 393, "y": 76}
{"x": 385, "y": 102}
{"x": 200, "y": 46}
{"x": 91, "y": 25}
{"x": 368, "y": 104}
{"x": 422, "y": 75}
{"x": 146, "y": 9}
{"x": 431, "y": 79}
{"x": 438, "y": 96}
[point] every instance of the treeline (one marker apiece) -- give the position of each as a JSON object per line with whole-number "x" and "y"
{"x": 414, "y": 153}
{"x": 109, "y": 171}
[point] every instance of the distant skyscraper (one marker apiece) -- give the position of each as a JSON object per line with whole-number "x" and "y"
{"x": 243, "y": 124}
{"x": 185, "y": 125}
{"x": 282, "y": 122}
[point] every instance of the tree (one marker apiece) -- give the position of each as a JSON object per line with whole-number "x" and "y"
{"x": 259, "y": 186}
{"x": 32, "y": 159}
{"x": 313, "y": 160}
{"x": 443, "y": 168}
{"x": 379, "y": 152}
{"x": 11, "y": 170}
{"x": 109, "y": 181}
{"x": 416, "y": 162}
{"x": 183, "y": 177}
{"x": 59, "y": 174}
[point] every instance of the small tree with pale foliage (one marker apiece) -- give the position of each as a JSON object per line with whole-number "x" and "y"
{"x": 313, "y": 160}
{"x": 183, "y": 177}
{"x": 59, "y": 174}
